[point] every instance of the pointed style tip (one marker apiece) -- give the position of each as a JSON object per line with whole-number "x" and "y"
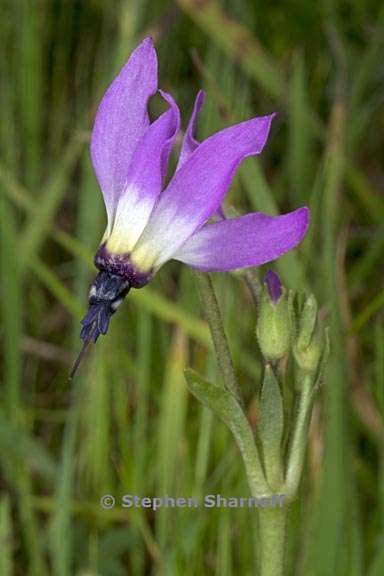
{"x": 272, "y": 280}
{"x": 78, "y": 360}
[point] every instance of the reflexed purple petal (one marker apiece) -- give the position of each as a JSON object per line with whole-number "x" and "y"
{"x": 189, "y": 142}
{"x": 174, "y": 115}
{"x": 144, "y": 179}
{"x": 198, "y": 188}
{"x": 121, "y": 121}
{"x": 273, "y": 283}
{"x": 250, "y": 240}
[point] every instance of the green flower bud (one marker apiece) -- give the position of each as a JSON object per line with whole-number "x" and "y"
{"x": 274, "y": 326}
{"x": 310, "y": 343}
{"x": 308, "y": 319}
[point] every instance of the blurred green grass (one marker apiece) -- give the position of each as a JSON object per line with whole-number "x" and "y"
{"x": 128, "y": 424}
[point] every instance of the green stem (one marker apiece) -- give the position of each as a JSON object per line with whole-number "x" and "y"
{"x": 299, "y": 439}
{"x": 215, "y": 323}
{"x": 252, "y": 280}
{"x": 272, "y": 521}
{"x": 272, "y": 528}
{"x": 274, "y": 468}
{"x": 254, "y": 470}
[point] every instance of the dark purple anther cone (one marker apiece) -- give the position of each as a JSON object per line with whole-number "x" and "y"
{"x": 105, "y": 296}
{"x": 273, "y": 283}
{"x": 107, "y": 292}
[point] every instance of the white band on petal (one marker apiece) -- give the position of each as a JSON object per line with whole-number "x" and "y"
{"x": 158, "y": 243}
{"x": 132, "y": 214}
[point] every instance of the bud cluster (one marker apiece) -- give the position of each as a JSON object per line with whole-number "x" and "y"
{"x": 281, "y": 330}
{"x": 311, "y": 343}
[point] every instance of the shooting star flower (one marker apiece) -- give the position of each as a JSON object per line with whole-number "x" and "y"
{"x": 148, "y": 224}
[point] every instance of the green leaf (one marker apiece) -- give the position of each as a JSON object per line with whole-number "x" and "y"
{"x": 225, "y": 405}
{"x": 6, "y": 544}
{"x": 18, "y": 448}
{"x": 271, "y": 427}
{"x": 272, "y": 418}
{"x": 377, "y": 567}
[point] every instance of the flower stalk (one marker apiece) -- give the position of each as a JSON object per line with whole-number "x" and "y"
{"x": 299, "y": 439}
{"x": 281, "y": 334}
{"x": 272, "y": 536}
{"x": 219, "y": 338}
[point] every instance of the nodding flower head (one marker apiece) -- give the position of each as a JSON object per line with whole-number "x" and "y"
{"x": 149, "y": 224}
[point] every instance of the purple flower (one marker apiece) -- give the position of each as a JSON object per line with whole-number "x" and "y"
{"x": 149, "y": 224}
